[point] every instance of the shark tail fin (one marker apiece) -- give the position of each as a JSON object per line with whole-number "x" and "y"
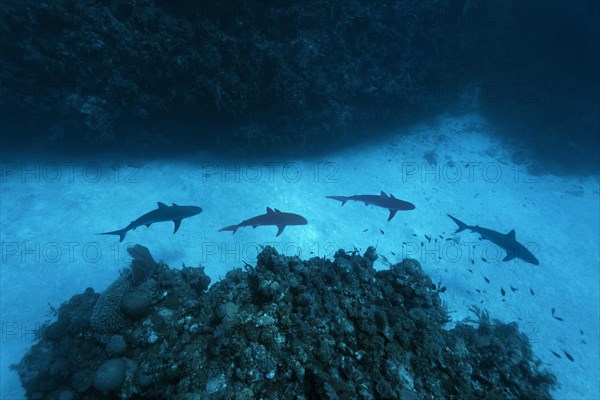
{"x": 120, "y": 232}
{"x": 461, "y": 225}
{"x": 343, "y": 199}
{"x": 232, "y": 228}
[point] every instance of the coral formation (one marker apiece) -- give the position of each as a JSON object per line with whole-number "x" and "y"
{"x": 285, "y": 329}
{"x": 280, "y": 77}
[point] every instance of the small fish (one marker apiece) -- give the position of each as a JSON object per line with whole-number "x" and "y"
{"x": 422, "y": 244}
{"x": 581, "y": 332}
{"x": 414, "y": 234}
{"x": 393, "y": 253}
{"x": 441, "y": 237}
{"x": 531, "y": 291}
{"x": 472, "y": 261}
{"x": 486, "y": 279}
{"x": 483, "y": 259}
{"x": 154, "y": 368}
{"x": 470, "y": 270}
{"x": 366, "y": 230}
{"x": 247, "y": 266}
{"x": 382, "y": 232}
{"x": 502, "y": 292}
{"x": 555, "y": 354}
{"x": 570, "y": 357}
{"x": 428, "y": 238}
{"x": 478, "y": 291}
{"x": 556, "y": 317}
{"x": 514, "y": 289}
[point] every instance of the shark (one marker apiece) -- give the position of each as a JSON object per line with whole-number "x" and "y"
{"x": 506, "y": 241}
{"x": 163, "y": 213}
{"x": 383, "y": 200}
{"x": 271, "y": 217}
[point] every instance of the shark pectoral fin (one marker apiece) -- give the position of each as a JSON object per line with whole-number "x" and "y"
{"x": 392, "y": 213}
{"x": 148, "y": 225}
{"x": 177, "y": 223}
{"x": 280, "y": 229}
{"x": 509, "y": 256}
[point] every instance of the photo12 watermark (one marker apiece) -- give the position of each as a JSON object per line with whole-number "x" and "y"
{"x": 455, "y": 252}
{"x": 270, "y": 172}
{"x": 68, "y": 172}
{"x": 27, "y": 253}
{"x": 247, "y": 252}
{"x": 468, "y": 172}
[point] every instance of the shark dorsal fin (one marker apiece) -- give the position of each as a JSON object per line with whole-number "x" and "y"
{"x": 511, "y": 235}
{"x": 383, "y": 194}
{"x": 161, "y": 205}
{"x": 270, "y": 210}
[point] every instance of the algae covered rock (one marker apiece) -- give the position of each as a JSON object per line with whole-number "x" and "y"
{"x": 116, "y": 345}
{"x": 136, "y": 305}
{"x": 110, "y": 375}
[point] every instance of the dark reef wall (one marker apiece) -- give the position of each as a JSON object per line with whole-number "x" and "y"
{"x": 273, "y": 76}
{"x": 285, "y": 329}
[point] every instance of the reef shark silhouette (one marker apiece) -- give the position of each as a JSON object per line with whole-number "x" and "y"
{"x": 507, "y": 241}
{"x": 272, "y": 217}
{"x": 163, "y": 213}
{"x": 383, "y": 200}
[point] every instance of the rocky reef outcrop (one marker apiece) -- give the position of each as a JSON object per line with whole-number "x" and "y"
{"x": 284, "y": 329}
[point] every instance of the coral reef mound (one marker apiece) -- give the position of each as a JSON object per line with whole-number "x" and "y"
{"x": 284, "y": 329}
